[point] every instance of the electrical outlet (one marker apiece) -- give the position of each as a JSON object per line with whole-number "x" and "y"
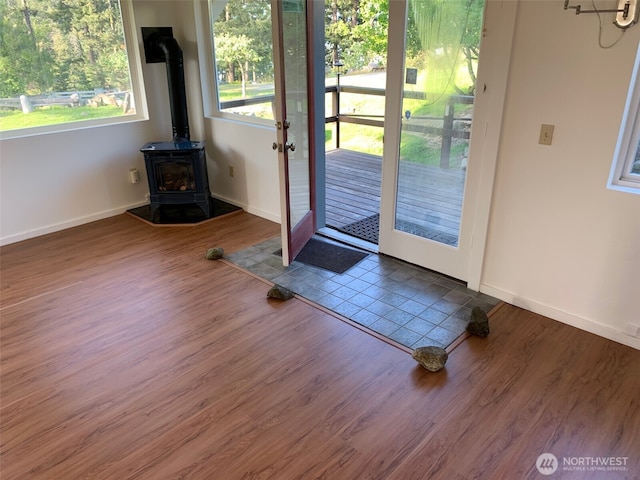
{"x": 546, "y": 134}
{"x": 231, "y": 171}
{"x": 633, "y": 330}
{"x": 134, "y": 175}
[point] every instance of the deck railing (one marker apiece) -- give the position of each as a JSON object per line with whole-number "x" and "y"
{"x": 419, "y": 124}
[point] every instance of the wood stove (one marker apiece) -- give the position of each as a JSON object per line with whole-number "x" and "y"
{"x": 177, "y": 173}
{"x": 176, "y": 170}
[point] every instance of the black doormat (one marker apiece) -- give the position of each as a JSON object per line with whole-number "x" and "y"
{"x": 188, "y": 213}
{"x": 328, "y": 256}
{"x": 368, "y": 229}
{"x": 425, "y": 232}
{"x": 365, "y": 229}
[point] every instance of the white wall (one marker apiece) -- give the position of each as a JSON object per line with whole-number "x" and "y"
{"x": 254, "y": 185}
{"x": 54, "y": 181}
{"x": 230, "y": 143}
{"x": 560, "y": 243}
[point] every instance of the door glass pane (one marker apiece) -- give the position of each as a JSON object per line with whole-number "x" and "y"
{"x": 295, "y": 79}
{"x": 442, "y": 47}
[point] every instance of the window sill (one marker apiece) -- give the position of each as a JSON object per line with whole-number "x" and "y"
{"x": 623, "y": 186}
{"x": 69, "y": 127}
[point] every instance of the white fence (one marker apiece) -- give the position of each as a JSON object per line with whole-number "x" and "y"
{"x": 95, "y": 98}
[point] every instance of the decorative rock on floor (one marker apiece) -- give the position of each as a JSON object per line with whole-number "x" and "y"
{"x": 479, "y": 324}
{"x": 432, "y": 358}
{"x": 214, "y": 253}
{"x": 279, "y": 293}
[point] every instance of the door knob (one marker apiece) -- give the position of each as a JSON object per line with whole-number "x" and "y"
{"x": 290, "y": 146}
{"x": 274, "y": 145}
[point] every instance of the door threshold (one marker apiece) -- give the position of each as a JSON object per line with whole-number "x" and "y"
{"x": 347, "y": 239}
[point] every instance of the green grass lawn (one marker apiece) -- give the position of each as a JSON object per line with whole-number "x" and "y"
{"x": 233, "y": 91}
{"x": 15, "y": 119}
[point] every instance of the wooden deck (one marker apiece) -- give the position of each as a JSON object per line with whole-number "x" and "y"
{"x": 428, "y": 197}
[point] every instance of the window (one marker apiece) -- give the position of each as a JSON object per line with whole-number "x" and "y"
{"x": 243, "y": 57}
{"x": 625, "y": 171}
{"x": 65, "y": 65}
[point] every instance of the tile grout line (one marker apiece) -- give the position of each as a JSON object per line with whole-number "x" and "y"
{"x": 394, "y": 310}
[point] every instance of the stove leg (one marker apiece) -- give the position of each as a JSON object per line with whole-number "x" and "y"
{"x": 154, "y": 209}
{"x": 205, "y": 208}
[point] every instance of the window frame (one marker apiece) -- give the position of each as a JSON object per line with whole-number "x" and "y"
{"x": 620, "y": 176}
{"x": 137, "y": 86}
{"x": 208, "y": 70}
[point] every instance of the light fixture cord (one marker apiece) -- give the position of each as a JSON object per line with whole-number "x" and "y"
{"x": 593, "y": 2}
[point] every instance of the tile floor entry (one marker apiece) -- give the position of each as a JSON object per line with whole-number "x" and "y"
{"x": 411, "y": 305}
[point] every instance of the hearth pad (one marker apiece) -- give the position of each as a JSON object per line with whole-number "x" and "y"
{"x": 183, "y": 214}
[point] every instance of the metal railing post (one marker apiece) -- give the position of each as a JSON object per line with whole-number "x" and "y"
{"x": 336, "y": 109}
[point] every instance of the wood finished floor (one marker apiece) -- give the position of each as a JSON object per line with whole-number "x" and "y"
{"x": 125, "y": 354}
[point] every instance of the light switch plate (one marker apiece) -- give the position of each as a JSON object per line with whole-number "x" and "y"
{"x": 546, "y": 134}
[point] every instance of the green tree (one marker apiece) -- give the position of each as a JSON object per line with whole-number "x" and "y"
{"x": 62, "y": 45}
{"x": 449, "y": 32}
{"x": 245, "y": 23}
{"x": 24, "y": 66}
{"x": 370, "y": 32}
{"x": 89, "y": 44}
{"x": 341, "y": 16}
{"x": 236, "y": 50}
{"x": 471, "y": 37}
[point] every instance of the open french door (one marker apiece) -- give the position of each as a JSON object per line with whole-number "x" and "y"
{"x": 293, "y": 122}
{"x": 435, "y": 214}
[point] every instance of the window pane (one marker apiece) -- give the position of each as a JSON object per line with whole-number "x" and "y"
{"x": 244, "y": 57}
{"x": 635, "y": 166}
{"x": 625, "y": 168}
{"x": 62, "y": 62}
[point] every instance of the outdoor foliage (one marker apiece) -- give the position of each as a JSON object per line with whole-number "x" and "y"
{"x": 242, "y": 36}
{"x": 356, "y": 34}
{"x": 61, "y": 45}
{"x": 441, "y": 44}
{"x": 449, "y": 33}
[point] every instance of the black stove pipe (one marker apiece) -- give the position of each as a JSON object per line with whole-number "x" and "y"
{"x": 177, "y": 89}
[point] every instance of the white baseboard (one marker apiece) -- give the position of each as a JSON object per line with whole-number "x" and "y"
{"x": 263, "y": 214}
{"x": 249, "y": 209}
{"x": 56, "y": 227}
{"x": 567, "y": 318}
